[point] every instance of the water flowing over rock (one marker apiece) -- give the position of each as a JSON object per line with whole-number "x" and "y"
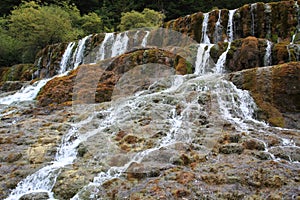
{"x": 154, "y": 114}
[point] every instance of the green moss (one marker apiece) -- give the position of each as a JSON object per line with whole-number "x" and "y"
{"x": 190, "y": 68}
{"x": 277, "y": 121}
{"x": 274, "y": 38}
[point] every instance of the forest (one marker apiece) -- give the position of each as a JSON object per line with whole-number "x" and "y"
{"x": 28, "y": 26}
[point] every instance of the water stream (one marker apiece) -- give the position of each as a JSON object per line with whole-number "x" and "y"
{"x": 205, "y": 39}
{"x": 220, "y": 65}
{"x": 218, "y": 29}
{"x": 230, "y": 28}
{"x": 268, "y": 54}
{"x": 253, "y": 9}
{"x": 202, "y": 65}
{"x": 175, "y": 104}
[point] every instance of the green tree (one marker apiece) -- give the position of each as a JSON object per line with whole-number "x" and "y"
{"x": 38, "y": 26}
{"x": 10, "y": 48}
{"x": 134, "y": 19}
{"x": 91, "y": 23}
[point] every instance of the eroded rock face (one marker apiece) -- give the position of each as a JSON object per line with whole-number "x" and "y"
{"x": 29, "y": 140}
{"x": 177, "y": 144}
{"x": 60, "y": 90}
{"x": 275, "y": 21}
{"x": 275, "y": 90}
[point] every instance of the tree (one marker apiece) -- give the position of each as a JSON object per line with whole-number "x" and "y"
{"x": 10, "y": 48}
{"x": 91, "y": 23}
{"x": 38, "y": 26}
{"x": 134, "y": 19}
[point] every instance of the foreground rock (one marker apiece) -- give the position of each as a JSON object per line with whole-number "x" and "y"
{"x": 96, "y": 82}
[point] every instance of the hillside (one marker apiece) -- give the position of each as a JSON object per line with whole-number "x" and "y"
{"x": 204, "y": 107}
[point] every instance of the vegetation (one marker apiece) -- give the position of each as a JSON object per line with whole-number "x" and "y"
{"x": 31, "y": 27}
{"x": 134, "y": 19}
{"x": 28, "y": 26}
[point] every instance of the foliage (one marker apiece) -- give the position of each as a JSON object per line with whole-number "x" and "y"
{"x": 10, "y": 48}
{"x": 30, "y": 26}
{"x": 38, "y": 26}
{"x": 91, "y": 23}
{"x": 134, "y": 19}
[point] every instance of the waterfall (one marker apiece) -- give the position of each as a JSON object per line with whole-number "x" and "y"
{"x": 66, "y": 58}
{"x": 107, "y": 42}
{"x": 79, "y": 52}
{"x": 26, "y": 93}
{"x": 202, "y": 60}
{"x": 116, "y": 44}
{"x": 174, "y": 109}
{"x": 44, "y": 179}
{"x": 144, "y": 42}
{"x": 218, "y": 29}
{"x": 268, "y": 12}
{"x": 29, "y": 92}
{"x": 230, "y": 33}
{"x": 222, "y": 60}
{"x": 120, "y": 44}
{"x": 236, "y": 105}
{"x": 205, "y": 38}
{"x": 268, "y": 56}
{"x": 252, "y": 11}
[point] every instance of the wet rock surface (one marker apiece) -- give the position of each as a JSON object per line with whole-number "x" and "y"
{"x": 110, "y": 132}
{"x": 275, "y": 90}
{"x": 29, "y": 139}
{"x": 145, "y": 154}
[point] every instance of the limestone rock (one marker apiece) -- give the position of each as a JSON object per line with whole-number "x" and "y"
{"x": 275, "y": 90}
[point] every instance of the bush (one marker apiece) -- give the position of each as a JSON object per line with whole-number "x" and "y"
{"x": 134, "y": 19}
{"x": 38, "y": 26}
{"x": 10, "y": 48}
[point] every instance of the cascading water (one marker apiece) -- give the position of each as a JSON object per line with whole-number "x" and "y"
{"x": 222, "y": 60}
{"x": 205, "y": 39}
{"x": 253, "y": 9}
{"x": 171, "y": 116}
{"x": 202, "y": 64}
{"x": 268, "y": 54}
{"x": 144, "y": 42}
{"x": 236, "y": 105}
{"x": 106, "y": 44}
{"x": 44, "y": 179}
{"x": 29, "y": 92}
{"x": 218, "y": 29}
{"x": 79, "y": 52}
{"x": 230, "y": 32}
{"x": 268, "y": 12}
{"x": 66, "y": 58}
{"x": 298, "y": 20}
{"x": 120, "y": 44}
{"x": 117, "y": 44}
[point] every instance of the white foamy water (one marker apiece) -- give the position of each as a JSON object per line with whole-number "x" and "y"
{"x": 79, "y": 52}
{"x": 174, "y": 104}
{"x": 268, "y": 54}
{"x": 202, "y": 64}
{"x": 220, "y": 65}
{"x": 27, "y": 93}
{"x": 205, "y": 39}
{"x": 230, "y": 30}
{"x": 66, "y": 58}
{"x": 253, "y": 9}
